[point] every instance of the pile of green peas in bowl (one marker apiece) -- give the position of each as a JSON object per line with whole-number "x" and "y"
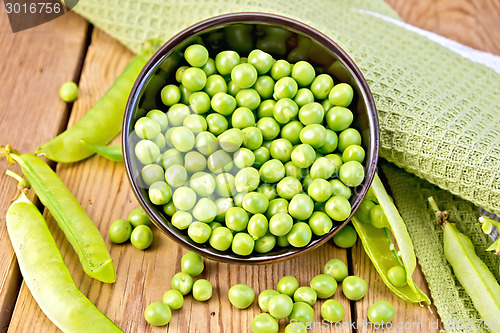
{"x": 243, "y": 145}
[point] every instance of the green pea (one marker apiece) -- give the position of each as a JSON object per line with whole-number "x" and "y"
{"x": 183, "y": 139}
{"x": 311, "y": 113}
{"x": 305, "y": 295}
{"x": 336, "y": 268}
{"x": 199, "y": 102}
{"x": 244, "y": 75}
{"x": 324, "y": 285}
{"x": 306, "y": 181}
{"x": 257, "y": 226}
{"x": 171, "y": 157}
{"x": 179, "y": 72}
{"x": 323, "y": 168}
{"x": 320, "y": 223}
{"x": 330, "y": 143}
{"x": 264, "y": 323}
{"x": 339, "y": 189}
{"x": 206, "y": 142}
{"x": 261, "y": 60}
{"x": 264, "y": 86}
{"x": 224, "y": 185}
{"x": 232, "y": 88}
{"x": 252, "y": 137}
{"x": 296, "y": 328}
{"x": 236, "y": 219}
{"x": 249, "y": 98}
{"x": 321, "y": 86}
{"x": 209, "y": 67}
{"x": 202, "y": 290}
{"x": 169, "y": 208}
{"x": 205, "y": 210}
{"x": 202, "y": 183}
{"x": 304, "y": 96}
{"x": 285, "y": 87}
{"x": 280, "y": 306}
{"x": 282, "y": 241}
{"x": 341, "y": 95}
{"x": 192, "y": 264}
{"x": 243, "y": 244}
{"x": 354, "y": 288}
{"x": 301, "y": 207}
{"x": 381, "y": 312}
{"x": 287, "y": 285}
{"x": 266, "y": 108}
{"x": 160, "y": 117}
{"x": 138, "y": 217}
{"x": 338, "y": 208}
{"x": 285, "y": 110}
{"x": 242, "y": 117}
{"x": 119, "y": 231}
{"x": 199, "y": 232}
{"x": 255, "y": 203}
{"x": 304, "y": 73}
{"x": 152, "y": 173}
{"x": 291, "y": 131}
{"x": 363, "y": 212}
{"x": 303, "y": 155}
{"x": 147, "y": 152}
{"x": 238, "y": 199}
{"x": 159, "y": 193}
{"x": 265, "y": 243}
{"x": 225, "y": 61}
{"x": 289, "y": 187}
{"x": 196, "y": 55}
{"x": 181, "y": 219}
{"x": 182, "y": 282}
{"x": 223, "y": 204}
{"x": 326, "y": 105}
{"x": 221, "y": 238}
{"x": 176, "y": 175}
{"x": 184, "y": 198}
{"x": 141, "y": 237}
{"x": 320, "y": 190}
{"x": 280, "y": 69}
{"x": 173, "y": 298}
{"x": 332, "y": 311}
{"x": 272, "y": 171}
{"x": 301, "y": 313}
{"x": 243, "y": 158}
{"x": 215, "y": 84}
{"x": 68, "y": 91}
{"x": 170, "y": 95}
{"x": 267, "y": 144}
{"x": 353, "y": 153}
{"x": 276, "y": 206}
{"x": 264, "y": 298}
{"x": 223, "y": 103}
{"x": 231, "y": 140}
{"x": 352, "y": 173}
{"x": 194, "y": 79}
{"x": 158, "y": 314}
{"x": 339, "y": 118}
{"x": 346, "y": 237}
{"x": 185, "y": 94}
{"x": 220, "y": 161}
{"x": 280, "y": 224}
{"x": 160, "y": 141}
{"x": 269, "y": 128}
{"x": 397, "y": 276}
{"x": 300, "y": 235}
{"x": 247, "y": 180}
{"x": 194, "y": 162}
{"x": 349, "y": 137}
{"x": 291, "y": 170}
{"x": 177, "y": 113}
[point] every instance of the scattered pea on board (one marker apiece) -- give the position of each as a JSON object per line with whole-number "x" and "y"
{"x": 46, "y": 274}
{"x": 471, "y": 272}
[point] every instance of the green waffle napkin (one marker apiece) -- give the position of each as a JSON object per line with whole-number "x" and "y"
{"x": 439, "y": 113}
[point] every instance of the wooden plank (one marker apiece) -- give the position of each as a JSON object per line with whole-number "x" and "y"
{"x": 31, "y": 111}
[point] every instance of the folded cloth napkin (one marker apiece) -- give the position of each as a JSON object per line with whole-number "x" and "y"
{"x": 439, "y": 112}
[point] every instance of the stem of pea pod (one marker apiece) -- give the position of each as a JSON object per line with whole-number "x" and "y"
{"x": 441, "y": 216}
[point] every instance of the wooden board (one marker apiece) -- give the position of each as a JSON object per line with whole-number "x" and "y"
{"x": 103, "y": 189}
{"x": 31, "y": 111}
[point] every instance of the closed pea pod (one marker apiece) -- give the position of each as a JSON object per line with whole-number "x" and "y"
{"x": 78, "y": 228}
{"x": 46, "y": 273}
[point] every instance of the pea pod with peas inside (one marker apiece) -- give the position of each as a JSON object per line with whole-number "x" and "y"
{"x": 46, "y": 274}
{"x": 471, "y": 272}
{"x": 78, "y": 228}
{"x": 386, "y": 255}
{"x": 102, "y": 122}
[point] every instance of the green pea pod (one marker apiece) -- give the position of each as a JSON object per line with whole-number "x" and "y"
{"x": 102, "y": 122}
{"x": 78, "y": 228}
{"x": 472, "y": 273}
{"x": 112, "y": 153}
{"x": 46, "y": 274}
{"x": 381, "y": 249}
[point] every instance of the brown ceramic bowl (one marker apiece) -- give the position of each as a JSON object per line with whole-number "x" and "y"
{"x": 284, "y": 38}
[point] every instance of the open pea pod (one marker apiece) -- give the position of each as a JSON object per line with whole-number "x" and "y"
{"x": 384, "y": 253}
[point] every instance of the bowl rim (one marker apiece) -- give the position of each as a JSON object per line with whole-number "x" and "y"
{"x": 250, "y": 17}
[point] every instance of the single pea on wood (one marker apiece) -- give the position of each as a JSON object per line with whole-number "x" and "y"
{"x": 251, "y": 139}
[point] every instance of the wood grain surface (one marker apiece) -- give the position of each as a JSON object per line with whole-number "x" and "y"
{"x": 35, "y": 63}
